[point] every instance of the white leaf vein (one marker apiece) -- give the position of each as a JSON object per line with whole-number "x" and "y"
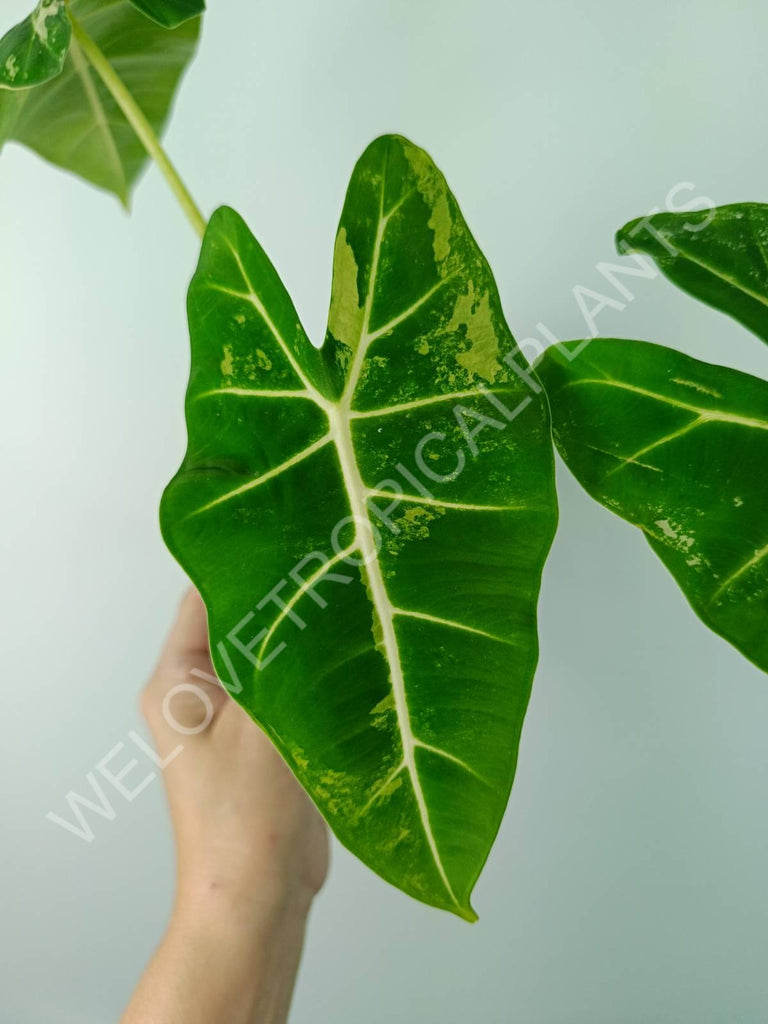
{"x": 422, "y": 499}
{"x": 264, "y": 477}
{"x": 743, "y": 569}
{"x": 305, "y": 587}
{"x": 452, "y": 624}
{"x": 707, "y": 415}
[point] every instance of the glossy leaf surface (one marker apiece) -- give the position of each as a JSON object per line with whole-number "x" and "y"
{"x": 720, "y": 256}
{"x": 34, "y": 51}
{"x": 679, "y": 448}
{"x": 74, "y": 122}
{"x": 367, "y": 526}
{"x": 170, "y": 13}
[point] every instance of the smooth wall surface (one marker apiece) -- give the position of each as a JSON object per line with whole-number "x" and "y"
{"x": 628, "y": 882}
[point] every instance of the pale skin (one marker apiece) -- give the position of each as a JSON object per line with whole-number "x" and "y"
{"x": 252, "y": 853}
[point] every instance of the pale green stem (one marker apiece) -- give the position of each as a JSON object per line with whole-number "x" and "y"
{"x": 138, "y": 121}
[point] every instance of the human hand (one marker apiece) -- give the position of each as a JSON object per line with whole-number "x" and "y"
{"x": 252, "y": 850}
{"x": 243, "y": 825}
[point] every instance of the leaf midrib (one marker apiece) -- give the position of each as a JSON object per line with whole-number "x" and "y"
{"x": 385, "y": 613}
{"x": 339, "y": 416}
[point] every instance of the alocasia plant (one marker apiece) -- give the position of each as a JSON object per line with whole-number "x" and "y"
{"x": 679, "y": 448}
{"x": 402, "y": 713}
{"x": 88, "y": 85}
{"x": 368, "y": 522}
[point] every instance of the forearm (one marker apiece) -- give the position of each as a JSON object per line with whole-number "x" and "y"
{"x": 222, "y": 960}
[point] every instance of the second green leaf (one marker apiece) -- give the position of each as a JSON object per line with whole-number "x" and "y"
{"x": 679, "y": 448}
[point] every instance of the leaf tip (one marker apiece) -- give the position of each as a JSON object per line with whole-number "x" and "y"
{"x": 624, "y": 237}
{"x": 388, "y": 141}
{"x": 468, "y": 914}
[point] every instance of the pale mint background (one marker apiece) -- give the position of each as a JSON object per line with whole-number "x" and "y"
{"x": 628, "y": 884}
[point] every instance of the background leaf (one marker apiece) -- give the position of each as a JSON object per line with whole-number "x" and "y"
{"x": 74, "y": 122}
{"x": 170, "y": 13}
{"x": 720, "y": 256}
{"x": 34, "y": 51}
{"x": 679, "y": 448}
{"x": 396, "y": 689}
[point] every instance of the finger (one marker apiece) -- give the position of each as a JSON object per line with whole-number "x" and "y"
{"x": 187, "y": 640}
{"x": 184, "y": 681}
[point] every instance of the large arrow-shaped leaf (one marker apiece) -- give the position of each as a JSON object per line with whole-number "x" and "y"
{"x": 679, "y": 448}
{"x": 73, "y": 121}
{"x": 367, "y": 523}
{"x": 720, "y": 256}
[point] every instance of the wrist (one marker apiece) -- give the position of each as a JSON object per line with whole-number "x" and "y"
{"x": 244, "y": 946}
{"x": 258, "y": 900}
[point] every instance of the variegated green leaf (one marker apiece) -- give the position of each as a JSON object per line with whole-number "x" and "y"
{"x": 74, "y": 122}
{"x": 720, "y": 256}
{"x": 34, "y": 51}
{"x": 367, "y": 523}
{"x": 679, "y": 448}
